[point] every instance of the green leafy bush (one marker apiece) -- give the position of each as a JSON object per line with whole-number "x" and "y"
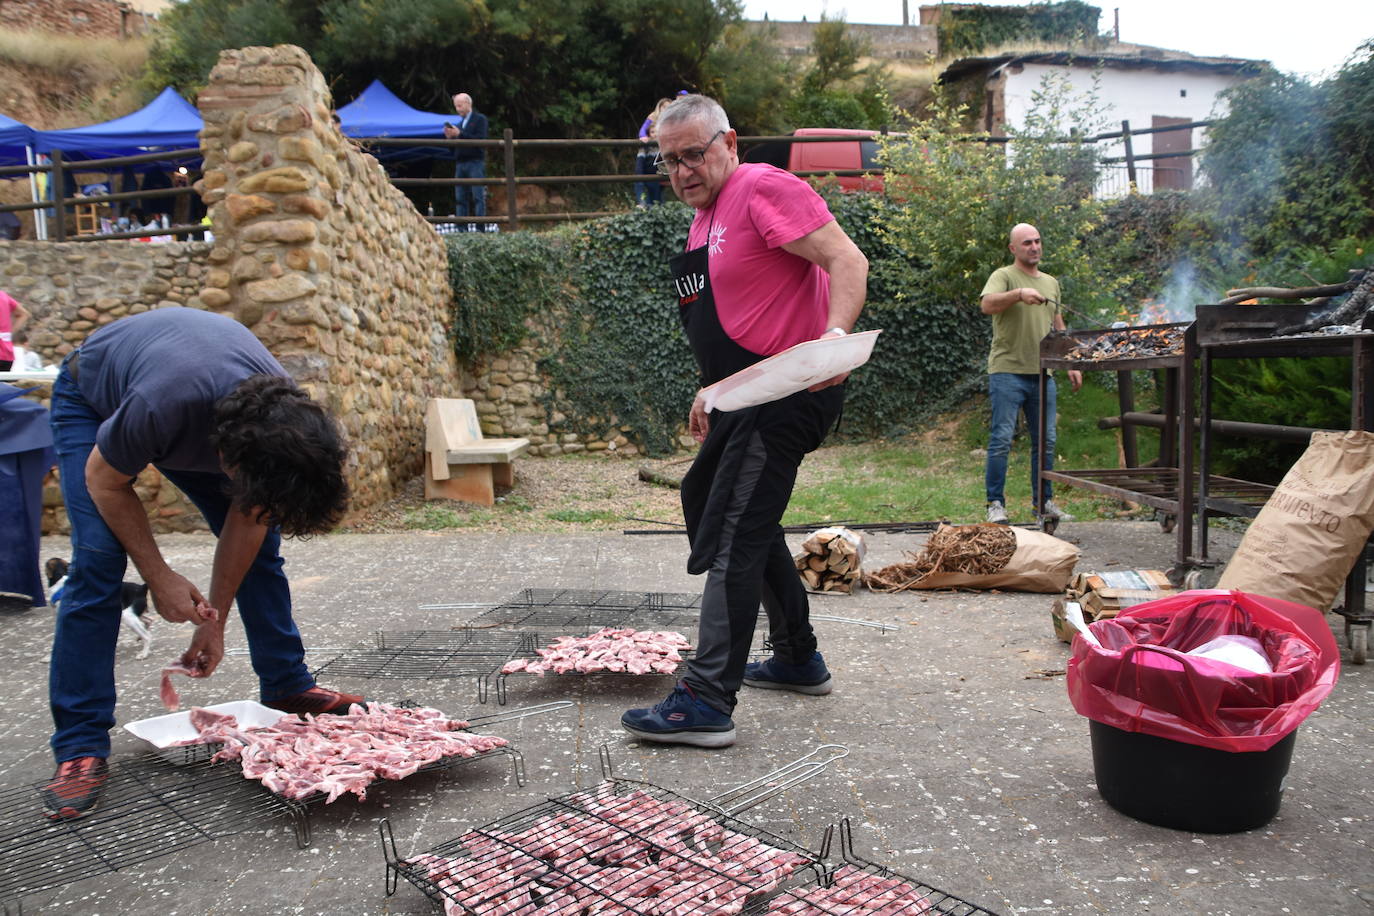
{"x": 500, "y": 282}
{"x": 970, "y": 28}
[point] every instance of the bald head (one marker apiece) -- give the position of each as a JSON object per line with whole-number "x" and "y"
{"x": 1025, "y": 247}
{"x": 462, "y": 103}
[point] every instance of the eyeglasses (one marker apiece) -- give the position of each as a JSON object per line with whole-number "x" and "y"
{"x": 692, "y": 158}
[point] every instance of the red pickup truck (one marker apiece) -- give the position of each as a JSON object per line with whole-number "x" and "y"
{"x": 857, "y": 150}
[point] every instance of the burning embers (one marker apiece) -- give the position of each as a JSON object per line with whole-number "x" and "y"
{"x": 1129, "y": 343}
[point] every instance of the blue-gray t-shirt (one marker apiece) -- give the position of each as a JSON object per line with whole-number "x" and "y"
{"x": 155, "y": 378}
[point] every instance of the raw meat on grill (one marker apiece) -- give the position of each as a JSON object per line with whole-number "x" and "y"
{"x": 632, "y": 853}
{"x": 855, "y": 892}
{"x": 334, "y": 754}
{"x": 612, "y": 649}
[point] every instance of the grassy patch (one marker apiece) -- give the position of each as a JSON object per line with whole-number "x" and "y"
{"x": 583, "y": 516}
{"x": 939, "y": 474}
{"x": 439, "y": 516}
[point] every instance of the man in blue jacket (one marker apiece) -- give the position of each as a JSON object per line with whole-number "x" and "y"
{"x": 471, "y": 160}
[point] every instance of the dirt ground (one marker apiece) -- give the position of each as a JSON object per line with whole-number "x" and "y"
{"x": 592, "y": 491}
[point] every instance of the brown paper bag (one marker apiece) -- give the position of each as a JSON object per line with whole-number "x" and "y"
{"x": 1306, "y": 538}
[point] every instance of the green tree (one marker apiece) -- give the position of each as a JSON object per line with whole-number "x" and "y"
{"x": 835, "y": 91}
{"x": 1289, "y": 164}
{"x": 959, "y": 195}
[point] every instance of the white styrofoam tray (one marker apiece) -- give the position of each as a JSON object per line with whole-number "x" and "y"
{"x": 166, "y": 731}
{"x": 794, "y": 369}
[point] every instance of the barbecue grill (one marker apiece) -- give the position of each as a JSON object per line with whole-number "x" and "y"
{"x": 520, "y": 843}
{"x": 1256, "y": 331}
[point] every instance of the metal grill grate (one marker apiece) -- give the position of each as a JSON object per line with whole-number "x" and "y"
{"x": 581, "y": 609}
{"x": 623, "y": 846}
{"x": 426, "y": 654}
{"x": 147, "y": 810}
{"x": 861, "y": 887}
{"x": 583, "y": 845}
{"x": 477, "y": 723}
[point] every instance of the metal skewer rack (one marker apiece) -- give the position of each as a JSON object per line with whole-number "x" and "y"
{"x": 521, "y": 852}
{"x": 892, "y": 893}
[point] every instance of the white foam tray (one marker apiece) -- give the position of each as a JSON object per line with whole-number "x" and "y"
{"x": 166, "y": 731}
{"x": 794, "y": 369}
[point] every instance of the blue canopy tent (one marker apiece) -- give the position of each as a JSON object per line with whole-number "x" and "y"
{"x": 167, "y": 122}
{"x": 378, "y": 112}
{"x": 16, "y": 148}
{"x": 16, "y": 141}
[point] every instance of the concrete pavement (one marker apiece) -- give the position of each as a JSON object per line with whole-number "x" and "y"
{"x": 967, "y": 769}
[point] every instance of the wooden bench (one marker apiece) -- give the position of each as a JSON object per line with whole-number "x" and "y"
{"x": 461, "y": 464}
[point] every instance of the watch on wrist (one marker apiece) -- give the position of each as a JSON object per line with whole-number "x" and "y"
{"x": 836, "y": 330}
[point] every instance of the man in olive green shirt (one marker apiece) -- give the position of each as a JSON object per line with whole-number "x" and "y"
{"x": 1024, "y": 305}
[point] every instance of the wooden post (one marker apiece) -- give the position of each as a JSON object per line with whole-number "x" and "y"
{"x": 1125, "y": 390}
{"x": 58, "y": 183}
{"x": 509, "y": 148}
{"x": 1130, "y": 155}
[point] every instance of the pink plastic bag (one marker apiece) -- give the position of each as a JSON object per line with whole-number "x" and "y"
{"x": 1141, "y": 680}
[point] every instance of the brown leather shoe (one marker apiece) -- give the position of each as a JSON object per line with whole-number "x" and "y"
{"x": 317, "y": 701}
{"x": 75, "y": 787}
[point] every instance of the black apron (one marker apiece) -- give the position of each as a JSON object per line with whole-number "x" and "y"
{"x": 707, "y": 488}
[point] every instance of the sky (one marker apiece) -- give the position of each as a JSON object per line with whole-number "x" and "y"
{"x": 1311, "y": 38}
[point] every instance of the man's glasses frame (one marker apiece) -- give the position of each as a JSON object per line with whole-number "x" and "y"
{"x": 692, "y": 158}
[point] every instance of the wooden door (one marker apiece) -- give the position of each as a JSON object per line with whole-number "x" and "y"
{"x": 1174, "y": 174}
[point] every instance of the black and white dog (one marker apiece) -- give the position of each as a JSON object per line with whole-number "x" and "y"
{"x": 133, "y": 596}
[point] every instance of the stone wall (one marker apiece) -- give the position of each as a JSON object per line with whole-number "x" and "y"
{"x": 314, "y": 250}
{"x": 885, "y": 41}
{"x": 324, "y": 259}
{"x": 76, "y": 18}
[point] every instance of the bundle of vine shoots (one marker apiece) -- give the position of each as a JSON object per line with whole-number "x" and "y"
{"x": 976, "y": 550}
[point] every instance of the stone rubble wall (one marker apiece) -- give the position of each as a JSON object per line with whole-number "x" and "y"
{"x": 324, "y": 260}
{"x": 77, "y": 18}
{"x": 73, "y": 288}
{"x": 315, "y": 251}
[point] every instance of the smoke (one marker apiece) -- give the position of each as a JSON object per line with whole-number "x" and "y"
{"x": 1178, "y": 300}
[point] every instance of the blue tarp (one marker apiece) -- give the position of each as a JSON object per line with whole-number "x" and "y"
{"x": 14, "y": 137}
{"x": 379, "y": 113}
{"x": 167, "y": 122}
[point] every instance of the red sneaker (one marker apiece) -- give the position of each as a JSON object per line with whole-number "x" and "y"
{"x": 75, "y": 787}
{"x": 317, "y": 701}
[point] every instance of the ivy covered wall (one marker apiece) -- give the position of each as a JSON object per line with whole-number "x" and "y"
{"x": 588, "y": 319}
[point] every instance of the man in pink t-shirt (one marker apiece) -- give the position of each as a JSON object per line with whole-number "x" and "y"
{"x": 766, "y": 267}
{"x": 12, "y": 316}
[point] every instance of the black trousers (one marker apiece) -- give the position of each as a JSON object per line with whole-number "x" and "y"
{"x": 747, "y": 478}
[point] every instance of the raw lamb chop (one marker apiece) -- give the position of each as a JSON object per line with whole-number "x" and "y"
{"x": 616, "y": 650}
{"x": 170, "y": 698}
{"x": 336, "y": 754}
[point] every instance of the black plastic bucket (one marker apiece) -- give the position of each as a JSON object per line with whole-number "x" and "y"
{"x": 1187, "y": 787}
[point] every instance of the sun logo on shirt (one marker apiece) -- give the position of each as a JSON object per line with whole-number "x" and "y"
{"x": 715, "y": 239}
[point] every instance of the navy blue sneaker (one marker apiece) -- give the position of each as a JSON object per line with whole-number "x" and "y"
{"x": 811, "y": 678}
{"x": 681, "y": 719}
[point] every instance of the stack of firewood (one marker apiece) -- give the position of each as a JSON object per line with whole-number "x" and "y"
{"x": 830, "y": 560}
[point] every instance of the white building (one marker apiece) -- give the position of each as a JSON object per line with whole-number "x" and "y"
{"x": 1149, "y": 88}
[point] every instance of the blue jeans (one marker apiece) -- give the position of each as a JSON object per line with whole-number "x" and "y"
{"x": 1009, "y": 394}
{"x": 81, "y": 684}
{"x": 472, "y": 199}
{"x": 648, "y": 193}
